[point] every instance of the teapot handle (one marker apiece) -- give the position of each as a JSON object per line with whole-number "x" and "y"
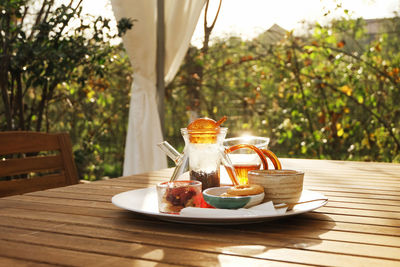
{"x": 274, "y": 159}
{"x": 254, "y": 148}
{"x": 261, "y": 153}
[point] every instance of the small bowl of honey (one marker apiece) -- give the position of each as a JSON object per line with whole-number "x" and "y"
{"x": 219, "y": 198}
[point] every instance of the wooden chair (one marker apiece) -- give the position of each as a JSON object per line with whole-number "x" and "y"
{"x": 20, "y": 157}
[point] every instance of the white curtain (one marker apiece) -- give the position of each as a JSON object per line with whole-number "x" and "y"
{"x": 144, "y": 129}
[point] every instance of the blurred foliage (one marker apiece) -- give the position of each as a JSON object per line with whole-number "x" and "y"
{"x": 96, "y": 116}
{"x": 333, "y": 94}
{"x": 59, "y": 72}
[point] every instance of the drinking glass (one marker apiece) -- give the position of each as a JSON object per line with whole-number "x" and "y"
{"x": 245, "y": 160}
{"x": 176, "y": 195}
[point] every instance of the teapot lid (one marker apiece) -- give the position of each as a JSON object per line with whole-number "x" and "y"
{"x": 204, "y": 130}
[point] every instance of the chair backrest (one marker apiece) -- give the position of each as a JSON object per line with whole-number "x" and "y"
{"x": 23, "y": 169}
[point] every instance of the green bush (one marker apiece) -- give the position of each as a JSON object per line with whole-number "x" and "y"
{"x": 59, "y": 72}
{"x": 333, "y": 94}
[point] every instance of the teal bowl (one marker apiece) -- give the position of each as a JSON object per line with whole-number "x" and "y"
{"x": 213, "y": 197}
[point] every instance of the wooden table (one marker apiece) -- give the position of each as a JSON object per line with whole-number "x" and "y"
{"x": 79, "y": 226}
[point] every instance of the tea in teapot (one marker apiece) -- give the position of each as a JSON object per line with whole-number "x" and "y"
{"x": 204, "y": 153}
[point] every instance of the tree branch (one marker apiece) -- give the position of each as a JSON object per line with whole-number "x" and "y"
{"x": 4, "y": 66}
{"x": 48, "y": 10}
{"x": 216, "y": 15}
{"x": 393, "y": 81}
{"x": 208, "y": 30}
{"x": 366, "y": 108}
{"x": 38, "y": 18}
{"x": 20, "y": 101}
{"x": 297, "y": 73}
{"x": 41, "y": 107}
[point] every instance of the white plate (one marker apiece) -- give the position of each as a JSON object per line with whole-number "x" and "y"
{"x": 144, "y": 201}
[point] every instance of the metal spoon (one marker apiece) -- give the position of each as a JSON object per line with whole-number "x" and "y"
{"x": 291, "y": 205}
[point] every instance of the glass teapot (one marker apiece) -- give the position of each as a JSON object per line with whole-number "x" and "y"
{"x": 203, "y": 155}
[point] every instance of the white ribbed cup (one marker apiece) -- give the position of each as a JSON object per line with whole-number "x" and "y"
{"x": 280, "y": 186}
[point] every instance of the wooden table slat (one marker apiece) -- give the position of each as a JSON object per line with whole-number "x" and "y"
{"x": 78, "y": 226}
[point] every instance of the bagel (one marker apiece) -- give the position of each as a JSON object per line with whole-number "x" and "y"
{"x": 245, "y": 190}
